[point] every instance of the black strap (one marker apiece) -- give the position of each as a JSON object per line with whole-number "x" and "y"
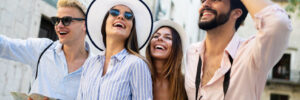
{"x": 198, "y": 79}
{"x": 226, "y": 78}
{"x": 37, "y": 65}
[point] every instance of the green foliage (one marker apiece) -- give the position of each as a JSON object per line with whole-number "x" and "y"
{"x": 290, "y": 8}
{"x": 298, "y": 9}
{"x": 293, "y": 6}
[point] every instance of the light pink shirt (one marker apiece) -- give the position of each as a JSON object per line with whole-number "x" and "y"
{"x": 252, "y": 59}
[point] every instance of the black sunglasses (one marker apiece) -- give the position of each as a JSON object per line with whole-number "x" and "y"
{"x": 65, "y": 20}
{"x": 115, "y": 12}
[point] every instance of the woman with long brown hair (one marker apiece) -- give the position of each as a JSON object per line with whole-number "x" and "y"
{"x": 165, "y": 53}
{"x": 120, "y": 28}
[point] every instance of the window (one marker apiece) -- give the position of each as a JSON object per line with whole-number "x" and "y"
{"x": 162, "y": 9}
{"x": 279, "y": 97}
{"x": 51, "y": 2}
{"x": 282, "y": 68}
{"x": 47, "y": 29}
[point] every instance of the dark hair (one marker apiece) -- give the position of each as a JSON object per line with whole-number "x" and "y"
{"x": 172, "y": 68}
{"x": 130, "y": 43}
{"x": 237, "y": 4}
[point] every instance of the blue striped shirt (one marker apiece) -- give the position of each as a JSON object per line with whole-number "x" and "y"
{"x": 127, "y": 78}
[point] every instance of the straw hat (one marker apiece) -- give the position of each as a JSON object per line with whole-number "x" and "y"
{"x": 96, "y": 13}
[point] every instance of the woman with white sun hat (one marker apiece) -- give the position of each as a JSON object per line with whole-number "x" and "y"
{"x": 119, "y": 28}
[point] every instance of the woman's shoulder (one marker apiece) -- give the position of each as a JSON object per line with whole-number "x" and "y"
{"x": 134, "y": 59}
{"x": 90, "y": 61}
{"x": 138, "y": 65}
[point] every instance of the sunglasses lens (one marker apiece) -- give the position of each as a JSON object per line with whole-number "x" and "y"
{"x": 114, "y": 12}
{"x": 55, "y": 20}
{"x": 66, "y": 20}
{"x": 128, "y": 15}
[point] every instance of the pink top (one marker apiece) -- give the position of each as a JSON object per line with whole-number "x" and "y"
{"x": 252, "y": 59}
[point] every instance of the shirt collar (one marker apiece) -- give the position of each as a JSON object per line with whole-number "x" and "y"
{"x": 119, "y": 56}
{"x": 199, "y": 47}
{"x": 233, "y": 46}
{"x": 58, "y": 48}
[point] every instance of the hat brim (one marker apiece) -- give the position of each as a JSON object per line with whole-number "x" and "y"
{"x": 96, "y": 13}
{"x": 177, "y": 27}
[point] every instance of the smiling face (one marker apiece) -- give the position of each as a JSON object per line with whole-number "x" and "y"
{"x": 213, "y": 13}
{"x": 161, "y": 49}
{"x": 118, "y": 24}
{"x": 161, "y": 43}
{"x": 73, "y": 32}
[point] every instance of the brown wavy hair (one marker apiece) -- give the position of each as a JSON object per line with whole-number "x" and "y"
{"x": 172, "y": 68}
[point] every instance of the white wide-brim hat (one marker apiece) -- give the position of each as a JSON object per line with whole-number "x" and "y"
{"x": 96, "y": 13}
{"x": 177, "y": 27}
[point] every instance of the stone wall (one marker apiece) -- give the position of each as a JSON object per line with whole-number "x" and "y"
{"x": 19, "y": 19}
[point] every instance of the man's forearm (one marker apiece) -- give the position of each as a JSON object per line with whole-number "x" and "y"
{"x": 254, "y": 6}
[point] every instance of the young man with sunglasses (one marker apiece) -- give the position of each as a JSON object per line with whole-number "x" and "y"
{"x": 224, "y": 66}
{"x": 56, "y": 65}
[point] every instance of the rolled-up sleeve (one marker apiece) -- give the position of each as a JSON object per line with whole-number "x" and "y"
{"x": 274, "y": 28}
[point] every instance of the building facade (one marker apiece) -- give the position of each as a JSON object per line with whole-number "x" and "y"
{"x": 23, "y": 19}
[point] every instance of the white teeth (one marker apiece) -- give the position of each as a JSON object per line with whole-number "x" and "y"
{"x": 62, "y": 33}
{"x": 119, "y": 25}
{"x": 159, "y": 47}
{"x": 207, "y": 13}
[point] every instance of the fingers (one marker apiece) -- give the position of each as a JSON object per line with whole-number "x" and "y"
{"x": 29, "y": 98}
{"x": 45, "y": 98}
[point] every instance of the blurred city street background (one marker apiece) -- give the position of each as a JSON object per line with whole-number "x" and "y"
{"x": 24, "y": 19}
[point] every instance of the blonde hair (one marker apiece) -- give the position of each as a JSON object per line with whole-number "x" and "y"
{"x": 72, "y": 3}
